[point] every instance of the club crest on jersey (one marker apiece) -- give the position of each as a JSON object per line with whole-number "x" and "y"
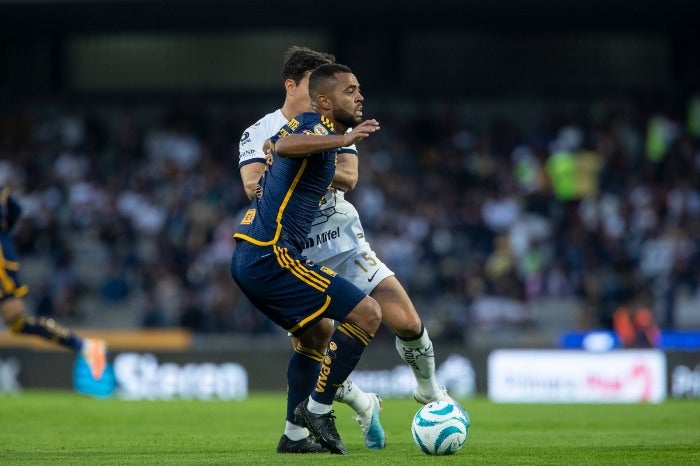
{"x": 320, "y": 130}
{"x": 248, "y": 217}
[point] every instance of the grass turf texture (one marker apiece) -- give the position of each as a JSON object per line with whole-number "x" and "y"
{"x": 66, "y": 428}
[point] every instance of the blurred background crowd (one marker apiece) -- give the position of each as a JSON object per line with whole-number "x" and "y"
{"x": 129, "y": 211}
{"x": 538, "y": 166}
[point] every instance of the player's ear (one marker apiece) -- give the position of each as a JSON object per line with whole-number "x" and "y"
{"x": 289, "y": 85}
{"x": 323, "y": 102}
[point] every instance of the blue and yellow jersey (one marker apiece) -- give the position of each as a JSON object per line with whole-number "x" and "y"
{"x": 291, "y": 189}
{"x": 9, "y": 265}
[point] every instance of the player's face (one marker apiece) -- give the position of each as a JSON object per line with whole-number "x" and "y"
{"x": 347, "y": 105}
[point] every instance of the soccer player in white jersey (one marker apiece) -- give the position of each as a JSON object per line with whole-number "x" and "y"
{"x": 337, "y": 241}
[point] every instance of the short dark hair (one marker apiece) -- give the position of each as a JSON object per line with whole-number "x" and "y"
{"x": 323, "y": 78}
{"x": 298, "y": 60}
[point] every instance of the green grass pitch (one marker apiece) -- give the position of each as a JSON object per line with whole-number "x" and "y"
{"x": 39, "y": 427}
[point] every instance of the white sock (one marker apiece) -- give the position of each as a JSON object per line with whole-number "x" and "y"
{"x": 318, "y": 408}
{"x": 420, "y": 357}
{"x": 353, "y": 396}
{"x": 295, "y": 432}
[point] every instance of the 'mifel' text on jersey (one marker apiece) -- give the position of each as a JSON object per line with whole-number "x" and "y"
{"x": 322, "y": 237}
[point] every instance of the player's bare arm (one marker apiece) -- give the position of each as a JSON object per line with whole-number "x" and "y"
{"x": 345, "y": 179}
{"x": 346, "y": 172}
{"x": 250, "y": 174}
{"x": 300, "y": 145}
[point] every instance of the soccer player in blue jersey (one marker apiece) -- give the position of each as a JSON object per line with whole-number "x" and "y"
{"x": 309, "y": 347}
{"x": 268, "y": 262}
{"x": 12, "y": 305}
{"x": 346, "y": 252}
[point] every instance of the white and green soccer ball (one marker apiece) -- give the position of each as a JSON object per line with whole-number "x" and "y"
{"x": 440, "y": 428}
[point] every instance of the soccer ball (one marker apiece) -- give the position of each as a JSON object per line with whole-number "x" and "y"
{"x": 440, "y": 428}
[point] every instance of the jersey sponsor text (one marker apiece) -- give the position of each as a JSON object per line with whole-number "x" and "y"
{"x": 323, "y": 237}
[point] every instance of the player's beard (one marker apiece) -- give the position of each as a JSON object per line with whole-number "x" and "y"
{"x": 346, "y": 118}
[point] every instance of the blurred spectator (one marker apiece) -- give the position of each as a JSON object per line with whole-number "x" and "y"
{"x": 65, "y": 286}
{"x": 476, "y": 217}
{"x": 114, "y": 288}
{"x": 635, "y": 325}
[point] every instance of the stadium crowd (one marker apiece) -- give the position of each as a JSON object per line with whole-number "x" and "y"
{"x": 477, "y": 216}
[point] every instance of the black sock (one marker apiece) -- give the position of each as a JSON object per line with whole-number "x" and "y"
{"x": 344, "y": 351}
{"x": 301, "y": 377}
{"x": 48, "y": 329}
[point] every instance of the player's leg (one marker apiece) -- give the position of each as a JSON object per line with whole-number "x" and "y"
{"x": 302, "y": 371}
{"x": 367, "y": 405}
{"x": 94, "y": 351}
{"x": 12, "y": 308}
{"x": 412, "y": 340}
{"x": 355, "y": 331}
{"x": 301, "y": 379}
{"x": 363, "y": 268}
{"x": 20, "y": 324}
{"x": 308, "y": 354}
{"x": 296, "y": 294}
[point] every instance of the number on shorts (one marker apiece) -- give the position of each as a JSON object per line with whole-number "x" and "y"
{"x": 368, "y": 259}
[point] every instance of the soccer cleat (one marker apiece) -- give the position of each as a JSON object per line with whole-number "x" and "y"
{"x": 94, "y": 351}
{"x": 322, "y": 426}
{"x": 369, "y": 422}
{"x": 440, "y": 395}
{"x": 85, "y": 383}
{"x": 305, "y": 445}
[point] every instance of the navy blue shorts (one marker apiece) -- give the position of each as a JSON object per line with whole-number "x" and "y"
{"x": 9, "y": 268}
{"x": 293, "y": 292}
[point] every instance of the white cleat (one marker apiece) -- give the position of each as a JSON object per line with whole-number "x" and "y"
{"x": 375, "y": 439}
{"x": 440, "y": 395}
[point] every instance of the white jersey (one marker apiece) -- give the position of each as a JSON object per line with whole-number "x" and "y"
{"x": 337, "y": 228}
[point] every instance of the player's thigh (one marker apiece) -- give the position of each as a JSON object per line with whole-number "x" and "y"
{"x": 291, "y": 291}
{"x": 365, "y": 270}
{"x": 10, "y": 309}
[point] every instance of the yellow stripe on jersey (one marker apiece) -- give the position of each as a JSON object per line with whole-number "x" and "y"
{"x": 312, "y": 317}
{"x": 309, "y": 353}
{"x": 327, "y": 122}
{"x": 21, "y": 292}
{"x": 310, "y": 277}
{"x": 7, "y": 284}
{"x": 17, "y": 325}
{"x": 280, "y": 212}
{"x": 353, "y": 331}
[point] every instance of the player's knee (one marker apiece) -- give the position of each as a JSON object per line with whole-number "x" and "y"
{"x": 367, "y": 315}
{"x": 12, "y": 310}
{"x": 411, "y": 327}
{"x": 372, "y": 314}
{"x": 317, "y": 336}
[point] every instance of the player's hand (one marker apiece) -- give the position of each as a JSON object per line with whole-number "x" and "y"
{"x": 361, "y": 131}
{"x": 267, "y": 149}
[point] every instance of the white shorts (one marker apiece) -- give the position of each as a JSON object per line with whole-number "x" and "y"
{"x": 361, "y": 266}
